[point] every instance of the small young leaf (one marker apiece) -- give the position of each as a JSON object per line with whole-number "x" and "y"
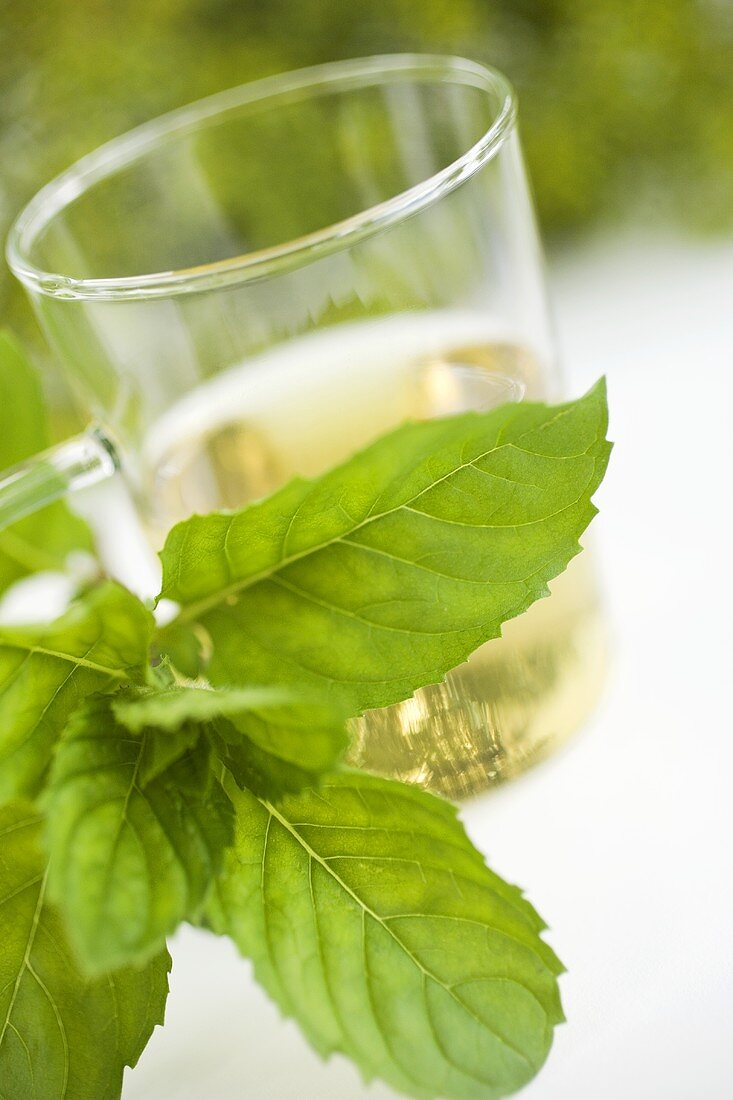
{"x": 61, "y": 1035}
{"x": 373, "y": 922}
{"x": 137, "y": 827}
{"x": 46, "y": 671}
{"x": 387, "y": 572}
{"x": 44, "y": 540}
{"x": 272, "y": 740}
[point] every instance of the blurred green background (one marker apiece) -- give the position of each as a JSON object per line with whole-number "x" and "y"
{"x": 626, "y": 106}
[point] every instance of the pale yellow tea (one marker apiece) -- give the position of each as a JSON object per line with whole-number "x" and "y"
{"x": 309, "y": 404}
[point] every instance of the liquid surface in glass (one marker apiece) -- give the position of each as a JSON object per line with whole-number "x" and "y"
{"x": 309, "y": 404}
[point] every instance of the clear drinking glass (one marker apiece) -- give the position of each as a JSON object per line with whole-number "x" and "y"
{"x": 255, "y": 286}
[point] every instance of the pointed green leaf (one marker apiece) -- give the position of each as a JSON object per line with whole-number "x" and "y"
{"x": 387, "y": 572}
{"x": 46, "y": 671}
{"x": 374, "y": 923}
{"x": 44, "y": 540}
{"x": 272, "y": 739}
{"x": 137, "y": 827}
{"x": 62, "y": 1037}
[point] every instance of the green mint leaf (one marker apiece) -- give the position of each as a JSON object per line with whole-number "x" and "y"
{"x": 62, "y": 1036}
{"x": 374, "y": 923}
{"x": 137, "y": 827}
{"x": 387, "y": 572}
{"x": 46, "y": 671}
{"x": 272, "y": 740}
{"x": 44, "y": 540}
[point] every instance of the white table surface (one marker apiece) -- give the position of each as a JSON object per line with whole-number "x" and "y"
{"x": 622, "y": 841}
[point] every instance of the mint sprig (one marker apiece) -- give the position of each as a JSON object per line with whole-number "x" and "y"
{"x": 206, "y": 786}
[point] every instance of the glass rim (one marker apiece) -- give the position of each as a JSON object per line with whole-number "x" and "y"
{"x": 337, "y": 76}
